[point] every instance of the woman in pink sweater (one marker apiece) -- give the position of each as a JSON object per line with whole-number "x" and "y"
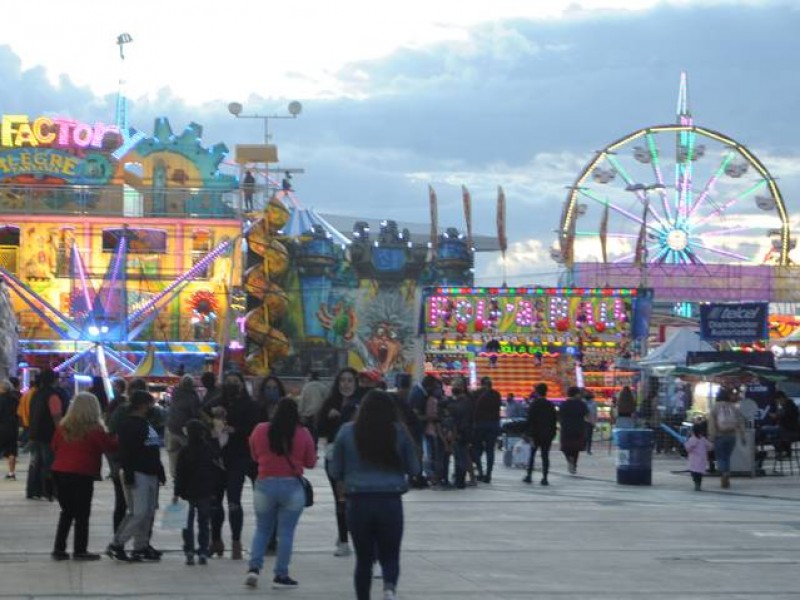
{"x": 282, "y": 448}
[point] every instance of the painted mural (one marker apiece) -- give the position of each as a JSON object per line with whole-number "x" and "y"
{"x": 354, "y": 303}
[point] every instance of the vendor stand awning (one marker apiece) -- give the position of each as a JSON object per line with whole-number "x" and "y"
{"x": 727, "y": 371}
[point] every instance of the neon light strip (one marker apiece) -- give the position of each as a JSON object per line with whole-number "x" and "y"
{"x": 639, "y": 193}
{"x": 117, "y": 357}
{"x": 530, "y": 291}
{"x": 72, "y": 360}
{"x": 651, "y": 143}
{"x": 119, "y": 259}
{"x": 615, "y": 208}
{"x": 82, "y": 274}
{"x": 719, "y": 210}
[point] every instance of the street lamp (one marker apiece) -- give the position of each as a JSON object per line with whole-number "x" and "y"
{"x": 294, "y": 108}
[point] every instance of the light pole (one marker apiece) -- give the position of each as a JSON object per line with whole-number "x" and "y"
{"x": 294, "y": 108}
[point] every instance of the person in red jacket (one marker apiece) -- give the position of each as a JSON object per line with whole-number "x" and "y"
{"x": 79, "y": 442}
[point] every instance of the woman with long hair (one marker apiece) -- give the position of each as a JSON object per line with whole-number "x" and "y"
{"x": 282, "y": 448}
{"x": 373, "y": 459}
{"x": 79, "y": 442}
{"x": 339, "y": 407}
{"x": 725, "y": 424}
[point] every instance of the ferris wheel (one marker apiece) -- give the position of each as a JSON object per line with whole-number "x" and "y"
{"x": 675, "y": 194}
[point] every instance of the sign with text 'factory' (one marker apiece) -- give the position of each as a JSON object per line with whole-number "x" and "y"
{"x": 744, "y": 322}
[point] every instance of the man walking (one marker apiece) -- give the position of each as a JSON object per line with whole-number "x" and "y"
{"x": 541, "y": 429}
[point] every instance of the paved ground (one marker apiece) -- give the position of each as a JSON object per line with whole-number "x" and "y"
{"x": 582, "y": 537}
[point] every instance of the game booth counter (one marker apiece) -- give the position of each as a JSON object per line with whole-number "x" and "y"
{"x": 521, "y": 336}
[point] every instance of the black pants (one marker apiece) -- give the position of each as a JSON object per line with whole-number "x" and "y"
{"x": 201, "y": 510}
{"x": 697, "y": 478}
{"x": 341, "y": 512}
{"x": 120, "y": 505}
{"x": 545, "y": 448}
{"x": 75, "y": 498}
{"x": 231, "y": 486}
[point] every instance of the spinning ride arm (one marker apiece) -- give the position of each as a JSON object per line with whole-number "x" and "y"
{"x": 142, "y": 317}
{"x": 58, "y": 322}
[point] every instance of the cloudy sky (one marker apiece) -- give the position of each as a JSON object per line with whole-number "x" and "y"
{"x": 518, "y": 93}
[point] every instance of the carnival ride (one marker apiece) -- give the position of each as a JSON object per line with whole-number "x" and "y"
{"x": 100, "y": 322}
{"x": 676, "y": 194}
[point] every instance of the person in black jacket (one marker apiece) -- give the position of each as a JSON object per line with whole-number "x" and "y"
{"x": 198, "y": 471}
{"x": 541, "y": 429}
{"x": 47, "y": 408}
{"x": 142, "y": 472}
{"x": 241, "y": 416}
{"x": 572, "y": 417}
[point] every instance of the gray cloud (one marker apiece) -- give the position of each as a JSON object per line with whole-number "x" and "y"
{"x": 523, "y": 104}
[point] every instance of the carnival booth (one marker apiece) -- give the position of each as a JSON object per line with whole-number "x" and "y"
{"x": 526, "y": 335}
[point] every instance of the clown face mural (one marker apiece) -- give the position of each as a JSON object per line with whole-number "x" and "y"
{"x": 386, "y": 332}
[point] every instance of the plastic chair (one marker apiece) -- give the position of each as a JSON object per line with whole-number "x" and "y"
{"x": 790, "y": 460}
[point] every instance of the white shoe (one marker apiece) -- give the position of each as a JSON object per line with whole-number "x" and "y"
{"x": 251, "y": 580}
{"x": 389, "y": 595}
{"x": 342, "y": 549}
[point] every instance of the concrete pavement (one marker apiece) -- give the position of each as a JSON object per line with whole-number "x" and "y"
{"x": 582, "y": 537}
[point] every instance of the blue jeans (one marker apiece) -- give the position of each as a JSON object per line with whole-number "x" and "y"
{"x": 723, "y": 448}
{"x": 202, "y": 510}
{"x": 281, "y": 499}
{"x": 376, "y": 523}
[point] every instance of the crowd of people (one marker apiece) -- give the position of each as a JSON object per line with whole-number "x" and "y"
{"x": 218, "y": 438}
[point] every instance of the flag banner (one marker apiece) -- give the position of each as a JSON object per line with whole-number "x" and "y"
{"x": 467, "y": 213}
{"x": 434, "y": 217}
{"x": 501, "y": 220}
{"x": 604, "y": 234}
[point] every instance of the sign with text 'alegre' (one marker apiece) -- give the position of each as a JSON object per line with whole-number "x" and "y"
{"x": 744, "y": 322}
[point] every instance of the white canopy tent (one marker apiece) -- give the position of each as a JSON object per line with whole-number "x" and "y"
{"x": 673, "y": 352}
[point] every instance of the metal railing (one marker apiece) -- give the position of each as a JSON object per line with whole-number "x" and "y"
{"x": 118, "y": 200}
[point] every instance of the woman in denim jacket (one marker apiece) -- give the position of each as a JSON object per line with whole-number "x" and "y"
{"x": 373, "y": 458}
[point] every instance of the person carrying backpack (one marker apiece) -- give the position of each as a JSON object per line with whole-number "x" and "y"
{"x": 724, "y": 422}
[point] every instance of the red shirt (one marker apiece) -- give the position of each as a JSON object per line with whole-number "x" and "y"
{"x": 276, "y": 465}
{"x": 83, "y": 457}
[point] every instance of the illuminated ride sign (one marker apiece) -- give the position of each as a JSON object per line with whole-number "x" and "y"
{"x": 545, "y": 315}
{"x": 19, "y": 131}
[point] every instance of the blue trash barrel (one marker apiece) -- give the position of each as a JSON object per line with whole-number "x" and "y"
{"x": 634, "y": 456}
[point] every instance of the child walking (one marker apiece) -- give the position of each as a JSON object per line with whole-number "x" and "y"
{"x": 698, "y": 447}
{"x": 197, "y": 474}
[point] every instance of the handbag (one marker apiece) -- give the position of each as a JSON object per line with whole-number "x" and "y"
{"x": 308, "y": 489}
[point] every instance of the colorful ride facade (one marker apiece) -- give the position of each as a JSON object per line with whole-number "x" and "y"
{"x": 111, "y": 236}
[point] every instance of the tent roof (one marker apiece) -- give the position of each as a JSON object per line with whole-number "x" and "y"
{"x": 675, "y": 349}
{"x": 151, "y": 366}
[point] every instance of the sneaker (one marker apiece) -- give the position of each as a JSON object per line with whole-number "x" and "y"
{"x": 146, "y": 555}
{"x": 283, "y": 581}
{"x": 543, "y": 482}
{"x": 342, "y": 549}
{"x": 526, "y": 479}
{"x": 389, "y": 595}
{"x": 202, "y": 560}
{"x": 251, "y": 580}
{"x": 11, "y": 477}
{"x": 154, "y": 552}
{"x": 85, "y": 556}
{"x": 117, "y": 553}
{"x": 59, "y": 555}
{"x": 190, "y": 560}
